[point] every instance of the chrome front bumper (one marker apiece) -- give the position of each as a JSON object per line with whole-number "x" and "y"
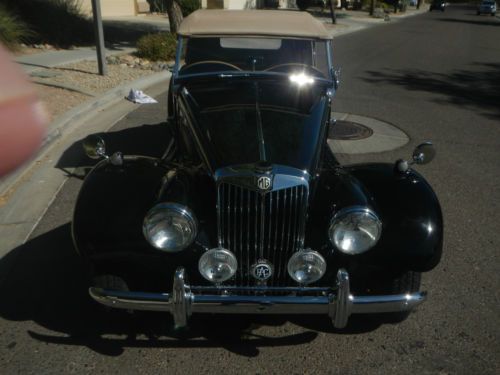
{"x": 339, "y": 304}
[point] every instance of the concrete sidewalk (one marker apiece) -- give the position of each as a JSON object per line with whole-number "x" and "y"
{"x": 120, "y": 34}
{"x": 50, "y": 59}
{"x": 349, "y": 21}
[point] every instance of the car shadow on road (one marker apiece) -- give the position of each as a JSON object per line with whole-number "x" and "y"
{"x": 477, "y": 88}
{"x": 480, "y": 22}
{"x": 44, "y": 281}
{"x": 147, "y": 139}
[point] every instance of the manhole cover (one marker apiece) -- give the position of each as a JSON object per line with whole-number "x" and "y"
{"x": 348, "y": 131}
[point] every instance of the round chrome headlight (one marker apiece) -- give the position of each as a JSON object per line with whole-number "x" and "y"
{"x": 218, "y": 265}
{"x": 355, "y": 230}
{"x": 170, "y": 227}
{"x": 306, "y": 266}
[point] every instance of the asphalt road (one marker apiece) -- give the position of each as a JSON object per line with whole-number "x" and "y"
{"x": 435, "y": 76}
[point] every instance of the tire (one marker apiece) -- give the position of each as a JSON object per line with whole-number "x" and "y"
{"x": 110, "y": 282}
{"x": 303, "y": 4}
{"x": 408, "y": 282}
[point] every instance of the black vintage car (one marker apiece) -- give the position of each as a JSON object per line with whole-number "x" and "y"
{"x": 437, "y": 5}
{"x": 248, "y": 211}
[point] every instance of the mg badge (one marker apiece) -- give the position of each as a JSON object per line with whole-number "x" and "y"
{"x": 262, "y": 270}
{"x": 264, "y": 183}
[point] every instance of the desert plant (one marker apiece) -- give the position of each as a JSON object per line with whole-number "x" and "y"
{"x": 58, "y": 22}
{"x": 12, "y": 29}
{"x": 154, "y": 47}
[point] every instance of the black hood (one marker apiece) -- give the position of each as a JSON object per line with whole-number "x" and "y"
{"x": 247, "y": 121}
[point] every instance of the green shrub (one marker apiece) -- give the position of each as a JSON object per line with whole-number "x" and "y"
{"x": 57, "y": 22}
{"x": 12, "y": 30}
{"x": 189, "y": 6}
{"x": 155, "y": 47}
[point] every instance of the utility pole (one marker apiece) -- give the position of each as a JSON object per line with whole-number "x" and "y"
{"x": 99, "y": 37}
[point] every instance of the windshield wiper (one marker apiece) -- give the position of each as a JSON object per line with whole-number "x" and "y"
{"x": 258, "y": 117}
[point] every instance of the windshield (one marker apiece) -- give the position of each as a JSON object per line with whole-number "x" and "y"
{"x": 209, "y": 54}
{"x": 250, "y": 121}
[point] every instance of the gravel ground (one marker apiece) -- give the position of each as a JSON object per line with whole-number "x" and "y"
{"x": 83, "y": 75}
{"x": 57, "y": 101}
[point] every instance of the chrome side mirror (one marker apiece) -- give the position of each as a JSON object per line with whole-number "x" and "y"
{"x": 424, "y": 153}
{"x": 94, "y": 147}
{"x": 336, "y": 78}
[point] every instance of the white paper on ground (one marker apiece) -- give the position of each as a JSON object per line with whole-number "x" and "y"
{"x": 137, "y": 96}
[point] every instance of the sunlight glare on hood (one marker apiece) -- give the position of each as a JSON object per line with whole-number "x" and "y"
{"x": 301, "y": 79}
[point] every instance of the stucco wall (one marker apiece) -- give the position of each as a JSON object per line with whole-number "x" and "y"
{"x": 229, "y": 4}
{"x": 111, "y": 8}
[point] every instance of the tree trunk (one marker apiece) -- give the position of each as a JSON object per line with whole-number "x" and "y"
{"x": 174, "y": 15}
{"x": 332, "y": 11}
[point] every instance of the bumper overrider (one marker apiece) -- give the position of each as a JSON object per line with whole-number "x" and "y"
{"x": 338, "y": 303}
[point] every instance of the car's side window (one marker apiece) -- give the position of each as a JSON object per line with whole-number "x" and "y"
{"x": 320, "y": 55}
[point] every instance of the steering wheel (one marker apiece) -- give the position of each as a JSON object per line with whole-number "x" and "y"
{"x": 207, "y": 66}
{"x": 285, "y": 68}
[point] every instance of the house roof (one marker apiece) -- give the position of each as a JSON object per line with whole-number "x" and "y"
{"x": 292, "y": 24}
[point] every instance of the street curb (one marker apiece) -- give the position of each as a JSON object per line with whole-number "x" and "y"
{"x": 75, "y": 116}
{"x": 367, "y": 22}
{"x": 100, "y": 103}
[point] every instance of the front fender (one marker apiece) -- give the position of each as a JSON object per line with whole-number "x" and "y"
{"x": 412, "y": 236}
{"x": 112, "y": 204}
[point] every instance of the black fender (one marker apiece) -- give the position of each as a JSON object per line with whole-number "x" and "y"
{"x": 412, "y": 221}
{"x": 112, "y": 203}
{"x": 108, "y": 219}
{"x": 412, "y": 224}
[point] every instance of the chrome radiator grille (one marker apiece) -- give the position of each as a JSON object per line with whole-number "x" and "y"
{"x": 256, "y": 225}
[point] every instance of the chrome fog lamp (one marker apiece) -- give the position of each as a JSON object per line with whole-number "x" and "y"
{"x": 170, "y": 227}
{"x": 218, "y": 265}
{"x": 355, "y": 230}
{"x": 306, "y": 266}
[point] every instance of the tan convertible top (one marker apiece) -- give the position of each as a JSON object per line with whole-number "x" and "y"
{"x": 292, "y": 24}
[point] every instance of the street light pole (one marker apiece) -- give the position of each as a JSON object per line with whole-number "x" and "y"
{"x": 99, "y": 36}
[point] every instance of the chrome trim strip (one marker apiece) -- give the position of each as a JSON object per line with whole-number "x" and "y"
{"x": 262, "y": 223}
{"x": 280, "y": 258}
{"x": 219, "y": 217}
{"x": 384, "y": 304}
{"x": 182, "y": 302}
{"x": 248, "y": 233}
{"x": 275, "y": 247}
{"x": 240, "y": 245}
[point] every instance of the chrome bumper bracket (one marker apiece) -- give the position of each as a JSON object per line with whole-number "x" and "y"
{"x": 182, "y": 302}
